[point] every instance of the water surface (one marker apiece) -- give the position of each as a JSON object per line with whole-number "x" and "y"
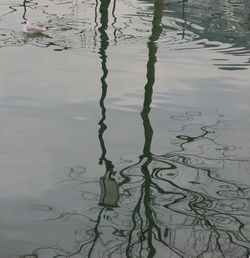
{"x": 125, "y": 129}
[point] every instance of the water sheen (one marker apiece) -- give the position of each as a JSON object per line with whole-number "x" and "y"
{"x": 125, "y": 129}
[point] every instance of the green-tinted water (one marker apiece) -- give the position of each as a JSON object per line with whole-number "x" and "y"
{"x": 124, "y": 129}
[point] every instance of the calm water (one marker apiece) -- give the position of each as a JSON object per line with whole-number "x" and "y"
{"x": 124, "y": 129}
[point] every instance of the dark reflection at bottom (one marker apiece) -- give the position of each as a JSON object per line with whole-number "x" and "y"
{"x": 178, "y": 204}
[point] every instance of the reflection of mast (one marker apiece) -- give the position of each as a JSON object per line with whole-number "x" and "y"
{"x": 114, "y": 22}
{"x": 148, "y": 130}
{"x": 96, "y": 23}
{"x": 152, "y": 50}
{"x": 109, "y": 189}
{"x": 148, "y": 231}
{"x": 24, "y": 9}
{"x": 184, "y": 18}
{"x": 104, "y": 40}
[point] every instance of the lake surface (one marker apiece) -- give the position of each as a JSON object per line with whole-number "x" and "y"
{"x": 124, "y": 129}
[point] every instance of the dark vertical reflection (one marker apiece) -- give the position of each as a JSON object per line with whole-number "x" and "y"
{"x": 184, "y": 17}
{"x": 152, "y": 50}
{"x": 96, "y": 23}
{"x": 24, "y": 9}
{"x": 104, "y": 43}
{"x": 109, "y": 190}
{"x": 148, "y": 130}
{"x": 145, "y": 200}
{"x": 114, "y": 22}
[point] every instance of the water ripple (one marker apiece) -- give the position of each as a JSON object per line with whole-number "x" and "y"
{"x": 180, "y": 200}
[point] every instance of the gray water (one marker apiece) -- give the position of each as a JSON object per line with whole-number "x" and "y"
{"x": 124, "y": 129}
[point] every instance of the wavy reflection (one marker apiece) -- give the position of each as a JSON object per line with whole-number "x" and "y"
{"x": 109, "y": 190}
{"x": 222, "y": 28}
{"x": 224, "y": 22}
{"x": 181, "y": 203}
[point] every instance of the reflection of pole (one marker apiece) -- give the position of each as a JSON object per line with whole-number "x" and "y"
{"x": 148, "y": 130}
{"x": 96, "y": 23}
{"x": 25, "y": 10}
{"x": 148, "y": 231}
{"x": 109, "y": 189}
{"x": 113, "y": 24}
{"x": 184, "y": 18}
{"x": 102, "y": 51}
{"x": 152, "y": 50}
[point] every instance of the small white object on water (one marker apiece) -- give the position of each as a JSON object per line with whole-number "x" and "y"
{"x": 29, "y": 28}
